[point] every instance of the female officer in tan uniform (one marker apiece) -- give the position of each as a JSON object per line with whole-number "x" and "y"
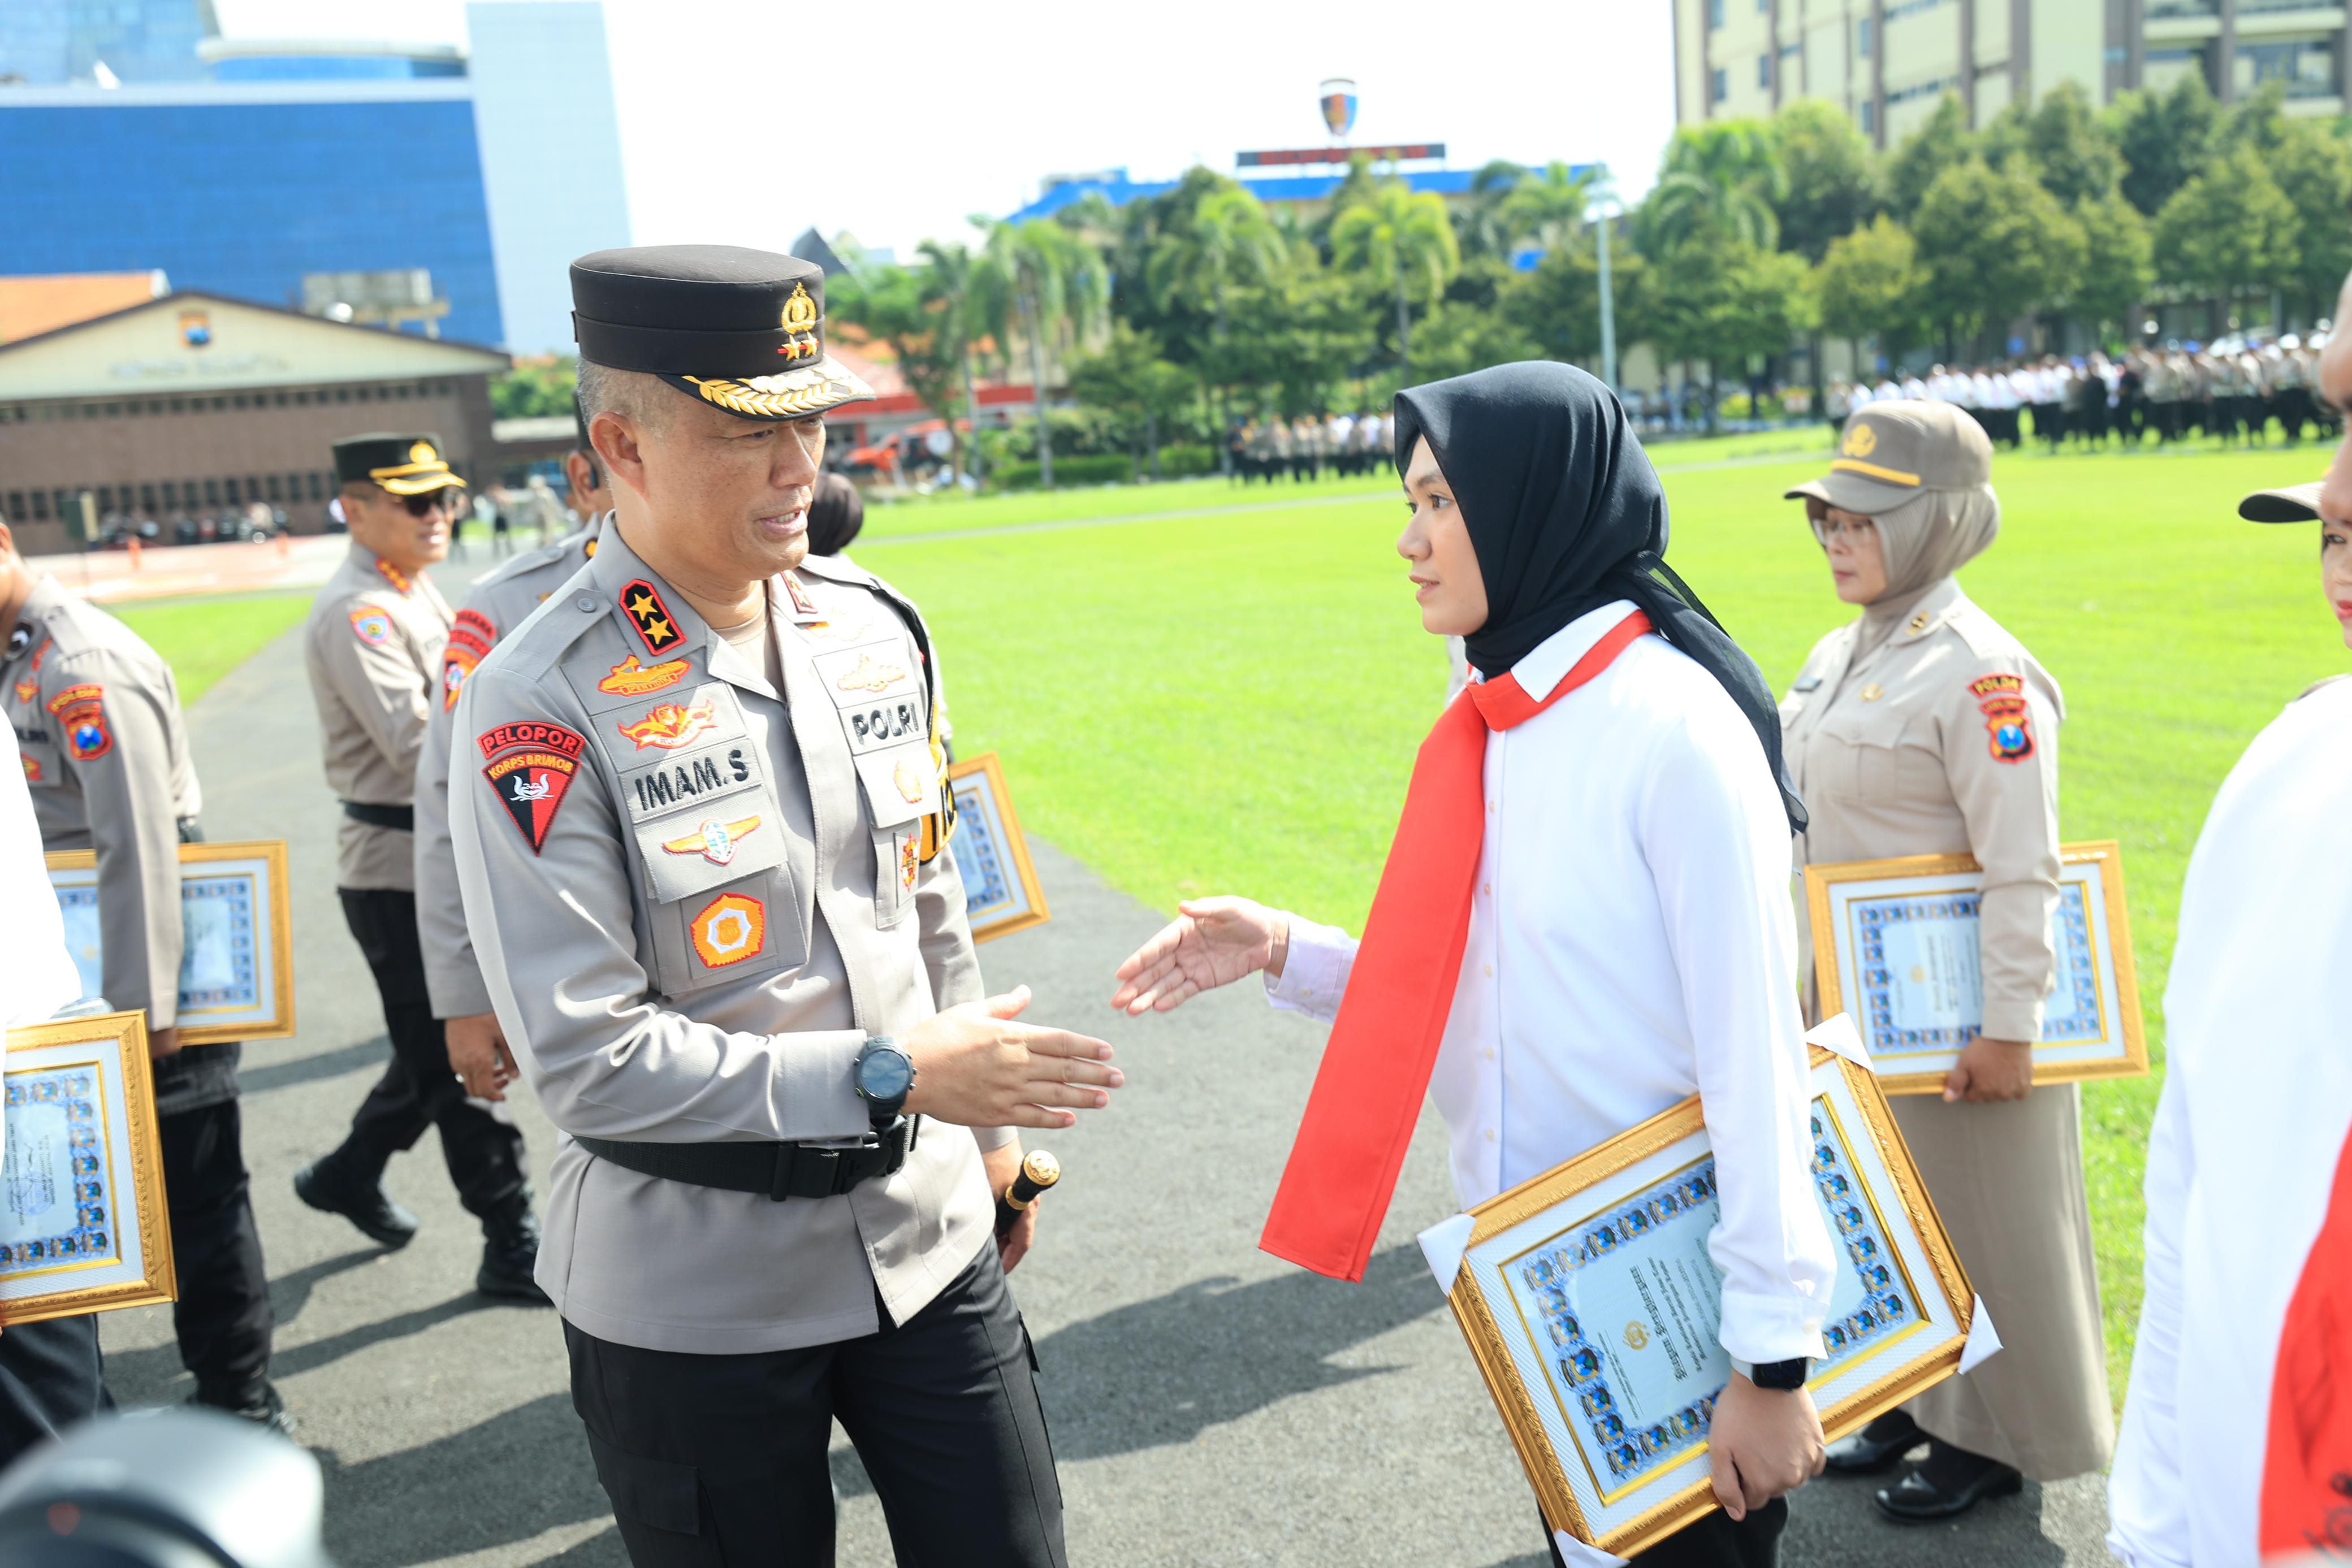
{"x": 1923, "y": 729}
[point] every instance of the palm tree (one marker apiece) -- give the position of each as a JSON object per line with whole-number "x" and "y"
{"x": 1228, "y": 239}
{"x": 1401, "y": 242}
{"x": 948, "y": 289}
{"x": 1041, "y": 278}
{"x": 1485, "y": 231}
{"x": 1549, "y": 206}
{"x": 1722, "y": 180}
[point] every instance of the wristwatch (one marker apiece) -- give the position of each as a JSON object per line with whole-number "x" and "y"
{"x": 882, "y": 1075}
{"x": 1777, "y": 1375}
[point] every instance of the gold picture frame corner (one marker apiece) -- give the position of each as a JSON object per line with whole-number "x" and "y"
{"x": 989, "y": 765}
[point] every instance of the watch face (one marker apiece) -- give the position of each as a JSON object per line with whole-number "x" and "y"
{"x": 885, "y": 1074}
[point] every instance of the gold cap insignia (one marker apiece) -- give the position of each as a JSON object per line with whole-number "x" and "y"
{"x": 1860, "y": 441}
{"x": 800, "y": 320}
{"x": 423, "y": 453}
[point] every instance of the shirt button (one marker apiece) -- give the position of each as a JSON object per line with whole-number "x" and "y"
{"x": 1490, "y": 808}
{"x": 1489, "y": 969}
{"x": 1487, "y": 888}
{"x": 584, "y": 603}
{"x": 1490, "y": 1134}
{"x": 1490, "y": 1053}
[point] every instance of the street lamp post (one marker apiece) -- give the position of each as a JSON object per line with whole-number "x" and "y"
{"x": 1598, "y": 215}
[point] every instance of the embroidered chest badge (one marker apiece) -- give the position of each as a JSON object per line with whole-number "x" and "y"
{"x": 872, "y": 674}
{"x": 669, "y": 726}
{"x": 656, "y": 627}
{"x": 30, "y": 686}
{"x": 80, "y": 713}
{"x": 630, "y": 679}
{"x": 729, "y": 929}
{"x": 530, "y": 765}
{"x": 714, "y": 840}
{"x": 32, "y": 768}
{"x": 371, "y": 626}
{"x": 908, "y": 781}
{"x": 2007, "y": 720}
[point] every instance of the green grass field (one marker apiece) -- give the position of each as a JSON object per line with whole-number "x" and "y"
{"x": 1227, "y": 697}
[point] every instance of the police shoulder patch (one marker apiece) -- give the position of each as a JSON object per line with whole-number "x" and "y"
{"x": 530, "y": 766}
{"x": 458, "y": 662}
{"x": 80, "y": 712}
{"x": 372, "y": 625}
{"x": 656, "y": 627}
{"x": 2009, "y": 720}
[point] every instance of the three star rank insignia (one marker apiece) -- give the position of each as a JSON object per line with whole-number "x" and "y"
{"x": 656, "y": 627}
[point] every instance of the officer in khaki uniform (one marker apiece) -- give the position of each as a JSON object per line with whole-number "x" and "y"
{"x": 374, "y": 647}
{"x": 105, "y": 755}
{"x": 698, "y": 811}
{"x": 1922, "y": 727}
{"x": 494, "y": 606}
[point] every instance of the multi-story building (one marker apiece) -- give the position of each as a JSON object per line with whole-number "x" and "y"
{"x": 269, "y": 166}
{"x": 1889, "y": 62}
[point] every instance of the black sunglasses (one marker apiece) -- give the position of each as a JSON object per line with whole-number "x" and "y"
{"x": 423, "y": 503}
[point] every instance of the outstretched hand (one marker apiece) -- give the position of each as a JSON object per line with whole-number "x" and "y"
{"x": 1213, "y": 942}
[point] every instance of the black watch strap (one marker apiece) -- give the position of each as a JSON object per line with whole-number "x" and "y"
{"x": 1781, "y": 1376}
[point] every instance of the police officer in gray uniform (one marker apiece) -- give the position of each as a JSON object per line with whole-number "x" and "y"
{"x": 497, "y": 604}
{"x": 698, "y": 814}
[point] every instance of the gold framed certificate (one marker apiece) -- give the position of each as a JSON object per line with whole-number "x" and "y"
{"x": 236, "y": 971}
{"x": 1591, "y": 1307}
{"x": 1894, "y": 945}
{"x": 82, "y": 1227}
{"x": 999, "y": 884}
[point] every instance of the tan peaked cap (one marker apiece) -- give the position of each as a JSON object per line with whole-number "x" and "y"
{"x": 1891, "y": 451}
{"x": 2288, "y": 503}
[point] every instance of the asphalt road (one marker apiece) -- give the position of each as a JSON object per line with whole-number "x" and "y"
{"x": 1208, "y": 1404}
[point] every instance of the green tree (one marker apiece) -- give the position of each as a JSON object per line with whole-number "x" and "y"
{"x": 1456, "y": 339}
{"x": 1399, "y": 243}
{"x": 2227, "y": 231}
{"x": 2165, "y": 139}
{"x": 2072, "y": 152}
{"x": 1298, "y": 336}
{"x": 1718, "y": 183}
{"x": 1995, "y": 246}
{"x": 1479, "y": 225}
{"x": 923, "y": 315}
{"x": 1734, "y": 304}
{"x": 539, "y": 387}
{"x": 2312, "y": 166}
{"x": 2117, "y": 268}
{"x": 1225, "y": 239}
{"x": 1548, "y": 204}
{"x": 1043, "y": 280}
{"x": 1831, "y": 186}
{"x": 1556, "y": 307}
{"x": 1944, "y": 142}
{"x": 1870, "y": 284}
{"x": 1127, "y": 379}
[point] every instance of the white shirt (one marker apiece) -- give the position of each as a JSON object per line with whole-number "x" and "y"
{"x": 36, "y": 973}
{"x": 2256, "y": 1105}
{"x": 1635, "y": 879}
{"x": 1914, "y": 389}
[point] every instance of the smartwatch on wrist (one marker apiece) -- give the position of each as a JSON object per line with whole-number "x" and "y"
{"x": 882, "y": 1076}
{"x": 1779, "y": 1376}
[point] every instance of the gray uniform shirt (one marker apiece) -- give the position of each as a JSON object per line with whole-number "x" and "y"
{"x": 372, "y": 646}
{"x": 496, "y": 605}
{"x": 97, "y": 717}
{"x": 1941, "y": 741}
{"x": 694, "y": 895}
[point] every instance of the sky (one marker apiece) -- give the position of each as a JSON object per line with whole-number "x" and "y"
{"x": 746, "y": 121}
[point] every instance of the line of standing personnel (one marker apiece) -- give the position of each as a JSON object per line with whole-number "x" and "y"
{"x": 104, "y": 751}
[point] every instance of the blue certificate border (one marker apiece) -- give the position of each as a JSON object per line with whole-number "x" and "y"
{"x": 92, "y": 1240}
{"x": 1872, "y": 916}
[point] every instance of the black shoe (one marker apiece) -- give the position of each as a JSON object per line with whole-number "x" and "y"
{"x": 509, "y": 1254}
{"x": 1947, "y": 1485}
{"x": 1876, "y": 1446}
{"x": 324, "y": 1186}
{"x": 258, "y": 1403}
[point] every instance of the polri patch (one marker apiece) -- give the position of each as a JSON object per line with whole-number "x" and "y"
{"x": 80, "y": 713}
{"x": 2009, "y": 724}
{"x": 656, "y": 627}
{"x": 728, "y": 929}
{"x": 531, "y": 764}
{"x": 371, "y": 626}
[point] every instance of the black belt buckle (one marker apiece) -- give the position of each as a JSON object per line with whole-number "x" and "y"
{"x": 819, "y": 1170}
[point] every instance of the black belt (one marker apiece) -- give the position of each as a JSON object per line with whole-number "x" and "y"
{"x": 778, "y": 1171}
{"x": 401, "y": 817}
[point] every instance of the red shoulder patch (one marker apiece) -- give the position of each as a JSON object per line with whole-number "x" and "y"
{"x": 80, "y": 712}
{"x": 458, "y": 662}
{"x": 2009, "y": 719}
{"x": 532, "y": 764}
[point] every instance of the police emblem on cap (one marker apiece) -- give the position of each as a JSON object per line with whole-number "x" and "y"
{"x": 740, "y": 329}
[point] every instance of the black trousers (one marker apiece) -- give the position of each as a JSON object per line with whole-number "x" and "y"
{"x": 418, "y": 1089}
{"x": 718, "y": 1461}
{"x": 222, "y": 1317}
{"x": 1715, "y": 1542}
{"x": 50, "y": 1378}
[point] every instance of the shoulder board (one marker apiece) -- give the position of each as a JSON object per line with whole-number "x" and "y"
{"x": 555, "y": 623}
{"x": 75, "y": 627}
{"x": 2316, "y": 685}
{"x": 1985, "y": 637}
{"x": 836, "y": 571}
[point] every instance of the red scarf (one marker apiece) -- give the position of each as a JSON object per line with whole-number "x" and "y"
{"x": 2306, "y": 1503}
{"x": 1343, "y": 1168}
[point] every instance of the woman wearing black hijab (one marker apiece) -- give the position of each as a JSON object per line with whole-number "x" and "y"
{"x": 1585, "y": 916}
{"x": 836, "y": 511}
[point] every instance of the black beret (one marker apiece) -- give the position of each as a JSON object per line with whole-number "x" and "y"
{"x": 405, "y": 465}
{"x": 741, "y": 330}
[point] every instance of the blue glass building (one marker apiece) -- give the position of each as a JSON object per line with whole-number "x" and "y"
{"x": 47, "y": 42}
{"x": 243, "y": 188}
